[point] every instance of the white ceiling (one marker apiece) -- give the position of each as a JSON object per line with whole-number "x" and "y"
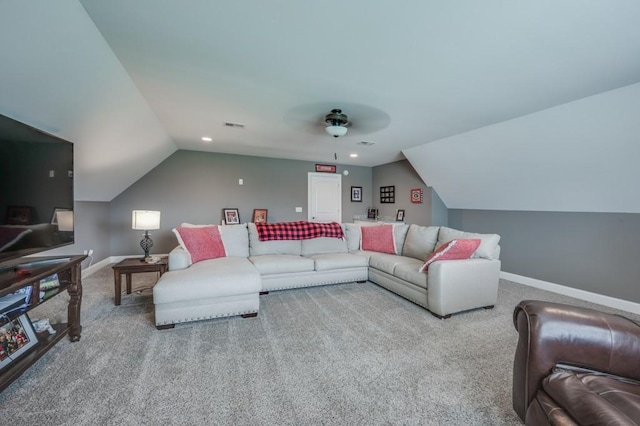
{"x": 426, "y": 70}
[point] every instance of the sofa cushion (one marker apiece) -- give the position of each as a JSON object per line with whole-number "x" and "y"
{"x": 378, "y": 238}
{"x": 400, "y": 235}
{"x": 453, "y": 250}
{"x": 420, "y": 241}
{"x": 201, "y": 243}
{"x": 331, "y": 261}
{"x": 353, "y": 233}
{"x": 220, "y": 277}
{"x": 488, "y": 246}
{"x": 234, "y": 237}
{"x": 410, "y": 271}
{"x": 281, "y": 264}
{"x": 387, "y": 262}
{"x": 323, "y": 245}
{"x": 258, "y": 248}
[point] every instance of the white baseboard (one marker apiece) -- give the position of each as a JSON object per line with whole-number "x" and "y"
{"x": 612, "y": 302}
{"x": 107, "y": 261}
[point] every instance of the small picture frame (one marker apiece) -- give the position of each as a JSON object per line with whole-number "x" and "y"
{"x": 260, "y": 215}
{"x": 416, "y": 195}
{"x": 325, "y": 168}
{"x": 399, "y": 215}
{"x": 372, "y": 213}
{"x": 54, "y": 216}
{"x": 356, "y": 194}
{"x": 231, "y": 216}
{"x": 20, "y": 333}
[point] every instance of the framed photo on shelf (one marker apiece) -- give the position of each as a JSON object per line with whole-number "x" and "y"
{"x": 16, "y": 337}
{"x": 399, "y": 215}
{"x": 372, "y": 213}
{"x": 356, "y": 194}
{"x": 231, "y": 216}
{"x": 259, "y": 215}
{"x": 326, "y": 168}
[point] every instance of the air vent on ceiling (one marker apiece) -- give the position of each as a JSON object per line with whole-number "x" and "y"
{"x": 365, "y": 143}
{"x": 236, "y": 125}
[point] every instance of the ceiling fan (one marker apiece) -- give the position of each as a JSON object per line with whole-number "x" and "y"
{"x": 361, "y": 119}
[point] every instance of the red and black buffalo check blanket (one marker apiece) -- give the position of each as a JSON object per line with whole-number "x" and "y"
{"x": 298, "y": 230}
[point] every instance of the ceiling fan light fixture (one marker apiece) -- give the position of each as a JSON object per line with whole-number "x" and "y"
{"x": 337, "y": 122}
{"x": 336, "y": 130}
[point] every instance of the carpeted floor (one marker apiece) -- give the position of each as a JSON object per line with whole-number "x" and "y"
{"x": 344, "y": 354}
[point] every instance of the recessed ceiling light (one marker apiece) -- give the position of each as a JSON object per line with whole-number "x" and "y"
{"x": 354, "y": 155}
{"x": 206, "y": 139}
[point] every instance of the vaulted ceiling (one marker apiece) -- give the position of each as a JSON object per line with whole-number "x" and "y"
{"x": 497, "y": 104}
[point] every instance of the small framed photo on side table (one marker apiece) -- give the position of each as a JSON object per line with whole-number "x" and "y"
{"x": 231, "y": 216}
{"x": 399, "y": 215}
{"x": 372, "y": 213}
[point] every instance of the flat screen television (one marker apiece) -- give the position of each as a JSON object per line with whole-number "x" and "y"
{"x": 36, "y": 190}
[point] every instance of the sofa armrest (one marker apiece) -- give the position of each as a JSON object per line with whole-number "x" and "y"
{"x": 459, "y": 285}
{"x": 553, "y": 333}
{"x": 179, "y": 259}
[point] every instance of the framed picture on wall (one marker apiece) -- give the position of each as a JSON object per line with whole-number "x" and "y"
{"x": 231, "y": 216}
{"x": 259, "y": 215}
{"x": 416, "y": 195}
{"x": 356, "y": 194}
{"x": 326, "y": 168}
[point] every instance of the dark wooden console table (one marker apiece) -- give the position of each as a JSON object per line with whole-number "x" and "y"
{"x": 28, "y": 272}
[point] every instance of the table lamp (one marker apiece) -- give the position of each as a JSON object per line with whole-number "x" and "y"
{"x": 145, "y": 220}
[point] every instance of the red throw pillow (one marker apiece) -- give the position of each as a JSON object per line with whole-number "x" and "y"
{"x": 201, "y": 243}
{"x": 378, "y": 238}
{"x": 453, "y": 250}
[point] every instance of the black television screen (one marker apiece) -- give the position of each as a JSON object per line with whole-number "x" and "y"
{"x": 36, "y": 190}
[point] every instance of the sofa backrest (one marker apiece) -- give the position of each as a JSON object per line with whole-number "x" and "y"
{"x": 235, "y": 239}
{"x": 258, "y": 248}
{"x": 488, "y": 249}
{"x": 324, "y": 245}
{"x": 420, "y": 241}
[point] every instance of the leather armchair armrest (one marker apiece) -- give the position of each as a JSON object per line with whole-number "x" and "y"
{"x": 553, "y": 333}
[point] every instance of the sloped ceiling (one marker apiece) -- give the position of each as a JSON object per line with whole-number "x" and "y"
{"x": 131, "y": 81}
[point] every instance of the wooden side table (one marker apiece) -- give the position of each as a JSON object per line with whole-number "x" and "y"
{"x": 131, "y": 266}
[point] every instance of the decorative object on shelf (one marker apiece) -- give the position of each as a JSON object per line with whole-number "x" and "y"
{"x": 260, "y": 215}
{"x": 325, "y": 168}
{"x": 372, "y": 213}
{"x": 231, "y": 216}
{"x": 50, "y": 282}
{"x": 19, "y": 215}
{"x": 399, "y": 215}
{"x": 145, "y": 220}
{"x": 63, "y": 218}
{"x": 388, "y": 194}
{"x": 356, "y": 194}
{"x": 16, "y": 338}
{"x": 416, "y": 195}
{"x": 337, "y": 123}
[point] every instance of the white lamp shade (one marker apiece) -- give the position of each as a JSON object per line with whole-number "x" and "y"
{"x": 145, "y": 219}
{"x": 65, "y": 220}
{"x": 336, "y": 131}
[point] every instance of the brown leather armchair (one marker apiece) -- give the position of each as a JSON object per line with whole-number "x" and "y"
{"x": 575, "y": 366}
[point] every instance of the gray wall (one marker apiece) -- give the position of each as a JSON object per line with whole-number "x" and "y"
{"x": 402, "y": 175}
{"x": 596, "y": 252}
{"x": 194, "y": 186}
{"x": 91, "y": 231}
{"x": 439, "y": 212}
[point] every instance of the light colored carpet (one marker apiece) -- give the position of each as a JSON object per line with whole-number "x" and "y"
{"x": 344, "y": 354}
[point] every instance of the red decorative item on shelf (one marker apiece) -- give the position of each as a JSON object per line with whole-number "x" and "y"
{"x": 416, "y": 195}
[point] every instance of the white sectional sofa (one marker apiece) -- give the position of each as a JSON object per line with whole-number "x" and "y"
{"x": 231, "y": 285}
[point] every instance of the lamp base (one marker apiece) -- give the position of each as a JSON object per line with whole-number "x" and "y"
{"x": 146, "y": 244}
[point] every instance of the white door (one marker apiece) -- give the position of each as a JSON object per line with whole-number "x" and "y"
{"x": 325, "y": 197}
